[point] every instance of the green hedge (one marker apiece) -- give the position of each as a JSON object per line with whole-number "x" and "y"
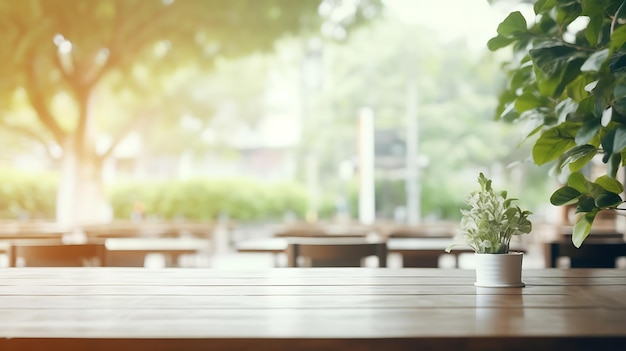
{"x": 33, "y": 196}
{"x": 27, "y": 195}
{"x": 201, "y": 199}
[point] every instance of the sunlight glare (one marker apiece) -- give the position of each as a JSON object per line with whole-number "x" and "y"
{"x": 474, "y": 21}
{"x": 64, "y": 46}
{"x": 102, "y": 56}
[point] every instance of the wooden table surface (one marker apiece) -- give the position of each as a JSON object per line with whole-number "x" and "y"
{"x": 308, "y": 309}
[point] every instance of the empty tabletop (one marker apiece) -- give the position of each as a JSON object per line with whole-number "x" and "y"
{"x": 308, "y": 309}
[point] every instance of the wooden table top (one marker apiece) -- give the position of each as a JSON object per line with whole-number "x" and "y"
{"x": 308, "y": 309}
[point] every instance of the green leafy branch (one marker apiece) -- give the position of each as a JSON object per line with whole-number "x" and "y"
{"x": 568, "y": 84}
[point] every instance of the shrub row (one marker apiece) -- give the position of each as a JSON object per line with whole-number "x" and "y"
{"x": 26, "y": 195}
{"x": 201, "y": 199}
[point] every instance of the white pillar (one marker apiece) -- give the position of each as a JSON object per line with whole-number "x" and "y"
{"x": 367, "y": 211}
{"x": 413, "y": 191}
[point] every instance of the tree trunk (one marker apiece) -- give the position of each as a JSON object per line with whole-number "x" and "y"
{"x": 81, "y": 198}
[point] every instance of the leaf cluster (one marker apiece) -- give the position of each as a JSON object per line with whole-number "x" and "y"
{"x": 567, "y": 82}
{"x": 492, "y": 219}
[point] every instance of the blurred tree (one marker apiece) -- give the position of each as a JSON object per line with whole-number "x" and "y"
{"x": 80, "y": 76}
{"x": 456, "y": 93}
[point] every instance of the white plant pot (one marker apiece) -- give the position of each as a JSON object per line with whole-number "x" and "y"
{"x": 499, "y": 270}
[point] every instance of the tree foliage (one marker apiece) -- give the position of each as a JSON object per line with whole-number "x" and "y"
{"x": 64, "y": 49}
{"x": 78, "y": 71}
{"x": 568, "y": 84}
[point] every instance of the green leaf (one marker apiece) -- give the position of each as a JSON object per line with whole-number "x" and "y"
{"x": 513, "y": 24}
{"x": 587, "y": 106}
{"x": 620, "y": 88}
{"x": 617, "y": 61}
{"x": 535, "y": 120}
{"x": 576, "y": 153}
{"x": 554, "y": 142}
{"x": 619, "y": 141}
{"x": 543, "y": 6}
{"x": 552, "y": 58}
{"x": 593, "y": 9}
{"x": 586, "y": 204}
{"x": 613, "y": 164}
{"x": 505, "y": 101}
{"x": 581, "y": 229}
{"x": 595, "y": 61}
{"x": 620, "y": 106}
{"x": 581, "y": 163}
{"x": 499, "y": 42}
{"x": 618, "y": 38}
{"x": 578, "y": 181}
{"x": 602, "y": 94}
{"x": 570, "y": 74}
{"x": 556, "y": 67}
{"x": 609, "y": 184}
{"x": 508, "y": 113}
{"x": 521, "y": 76}
{"x": 576, "y": 89}
{"x": 607, "y": 199}
{"x": 528, "y": 101}
{"x": 567, "y": 13}
{"x": 614, "y": 141}
{"x": 565, "y": 196}
{"x": 619, "y": 91}
{"x": 587, "y": 131}
{"x": 565, "y": 108}
{"x": 584, "y": 157}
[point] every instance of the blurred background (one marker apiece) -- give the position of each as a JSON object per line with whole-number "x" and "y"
{"x": 255, "y": 111}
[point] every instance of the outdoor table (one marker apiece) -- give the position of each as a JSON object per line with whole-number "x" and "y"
{"x": 97, "y": 308}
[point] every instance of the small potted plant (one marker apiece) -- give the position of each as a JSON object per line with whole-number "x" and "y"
{"x": 487, "y": 227}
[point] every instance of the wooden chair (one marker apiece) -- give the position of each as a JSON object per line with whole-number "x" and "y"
{"x": 335, "y": 252}
{"x": 54, "y": 253}
{"x": 132, "y": 252}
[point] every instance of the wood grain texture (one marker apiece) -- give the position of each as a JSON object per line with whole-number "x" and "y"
{"x": 308, "y": 309}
